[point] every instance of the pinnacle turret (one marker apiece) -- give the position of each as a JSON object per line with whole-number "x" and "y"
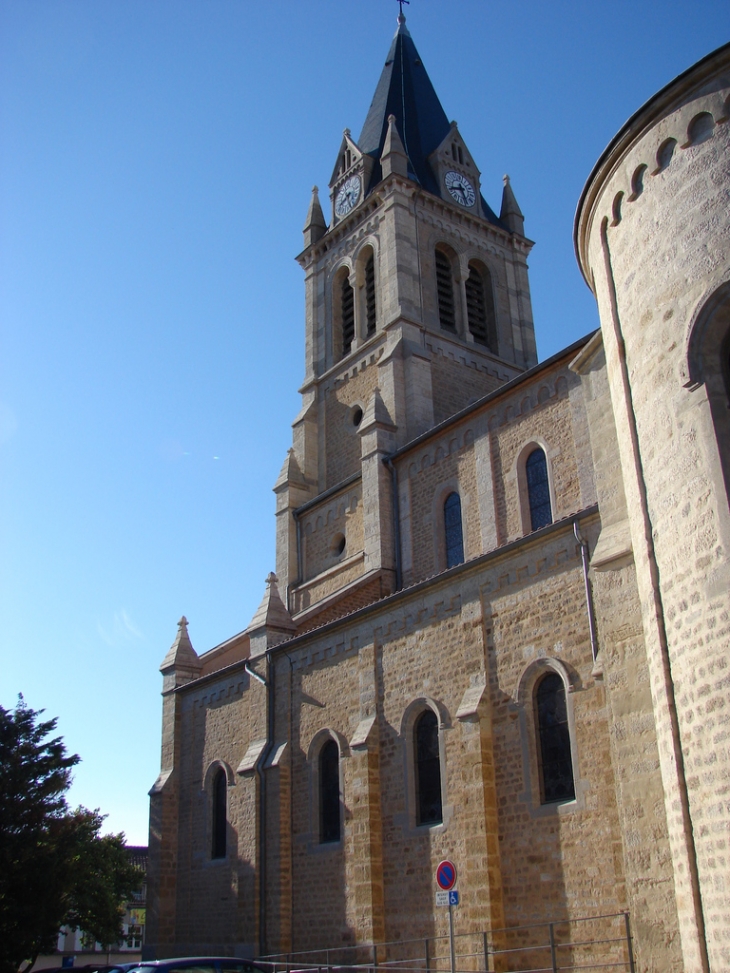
{"x": 271, "y": 623}
{"x": 315, "y": 225}
{"x": 511, "y": 214}
{"x": 394, "y": 158}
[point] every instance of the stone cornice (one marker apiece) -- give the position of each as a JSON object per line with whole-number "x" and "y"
{"x": 659, "y": 105}
{"x": 564, "y": 526}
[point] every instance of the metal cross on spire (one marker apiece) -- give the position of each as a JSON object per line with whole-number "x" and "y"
{"x": 400, "y": 15}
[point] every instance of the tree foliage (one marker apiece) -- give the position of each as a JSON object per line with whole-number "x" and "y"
{"x": 56, "y": 869}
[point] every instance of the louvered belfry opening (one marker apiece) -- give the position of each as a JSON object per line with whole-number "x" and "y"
{"x": 445, "y": 288}
{"x": 370, "y": 295}
{"x": 480, "y": 308}
{"x": 348, "y": 315}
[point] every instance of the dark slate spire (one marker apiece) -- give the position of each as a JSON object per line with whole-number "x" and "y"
{"x": 511, "y": 214}
{"x": 405, "y": 90}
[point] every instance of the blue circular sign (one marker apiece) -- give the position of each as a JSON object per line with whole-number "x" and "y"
{"x": 446, "y": 875}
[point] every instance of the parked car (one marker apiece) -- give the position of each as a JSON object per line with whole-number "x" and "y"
{"x": 198, "y": 964}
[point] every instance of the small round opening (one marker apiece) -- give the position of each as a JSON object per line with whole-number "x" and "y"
{"x": 338, "y": 545}
{"x": 356, "y": 416}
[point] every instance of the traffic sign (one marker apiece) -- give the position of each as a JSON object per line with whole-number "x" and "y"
{"x": 453, "y": 897}
{"x": 442, "y": 898}
{"x": 446, "y": 875}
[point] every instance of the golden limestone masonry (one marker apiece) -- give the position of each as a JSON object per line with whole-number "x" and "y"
{"x": 499, "y": 628}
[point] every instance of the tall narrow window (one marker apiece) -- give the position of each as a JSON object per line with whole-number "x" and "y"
{"x": 480, "y": 307}
{"x": 220, "y": 816}
{"x": 452, "y": 530}
{"x": 556, "y": 765}
{"x": 370, "y": 295}
{"x": 445, "y": 289}
{"x": 347, "y": 298}
{"x": 428, "y": 769}
{"x": 538, "y": 490}
{"x": 329, "y": 792}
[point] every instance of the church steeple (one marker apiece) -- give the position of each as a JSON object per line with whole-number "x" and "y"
{"x": 416, "y": 289}
{"x": 405, "y": 91}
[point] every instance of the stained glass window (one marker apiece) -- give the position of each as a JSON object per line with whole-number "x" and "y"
{"x": 538, "y": 490}
{"x": 453, "y": 532}
{"x": 428, "y": 769}
{"x": 329, "y": 792}
{"x": 220, "y": 817}
{"x": 556, "y": 764}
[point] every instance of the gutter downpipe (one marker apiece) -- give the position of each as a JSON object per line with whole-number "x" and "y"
{"x": 260, "y": 764}
{"x": 396, "y": 524}
{"x": 295, "y": 515}
{"x": 589, "y": 592}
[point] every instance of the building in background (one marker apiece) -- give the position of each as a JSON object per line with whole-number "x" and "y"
{"x": 76, "y": 949}
{"x": 498, "y": 629}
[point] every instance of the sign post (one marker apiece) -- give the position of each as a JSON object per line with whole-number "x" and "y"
{"x": 446, "y": 880}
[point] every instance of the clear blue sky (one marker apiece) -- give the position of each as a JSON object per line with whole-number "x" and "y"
{"x": 156, "y": 162}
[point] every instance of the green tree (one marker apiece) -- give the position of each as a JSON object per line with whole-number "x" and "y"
{"x": 56, "y": 869}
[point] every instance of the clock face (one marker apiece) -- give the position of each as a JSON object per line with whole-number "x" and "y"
{"x": 347, "y": 196}
{"x": 460, "y": 188}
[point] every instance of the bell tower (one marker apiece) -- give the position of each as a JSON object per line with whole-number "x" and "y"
{"x": 417, "y": 304}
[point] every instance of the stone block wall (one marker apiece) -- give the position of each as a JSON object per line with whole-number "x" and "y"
{"x": 339, "y": 516}
{"x": 338, "y": 430}
{"x": 459, "y": 379}
{"x": 653, "y": 231}
{"x": 482, "y": 458}
{"x": 465, "y": 646}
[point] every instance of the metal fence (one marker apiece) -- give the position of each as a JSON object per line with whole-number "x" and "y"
{"x": 563, "y": 945}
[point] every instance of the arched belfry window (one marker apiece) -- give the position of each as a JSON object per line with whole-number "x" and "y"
{"x": 556, "y": 764}
{"x": 538, "y": 489}
{"x": 329, "y": 792}
{"x": 220, "y": 815}
{"x": 445, "y": 291}
{"x": 347, "y": 306}
{"x": 480, "y": 307}
{"x": 428, "y": 769}
{"x": 370, "y": 320}
{"x": 453, "y": 534}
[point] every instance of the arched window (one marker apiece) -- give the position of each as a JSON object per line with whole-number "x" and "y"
{"x": 700, "y": 128}
{"x": 556, "y": 765}
{"x": 480, "y": 307}
{"x": 220, "y": 815}
{"x": 347, "y": 305}
{"x": 709, "y": 365}
{"x": 452, "y": 530}
{"x": 445, "y": 290}
{"x": 664, "y": 154}
{"x": 428, "y": 769}
{"x": 538, "y": 490}
{"x": 329, "y": 793}
{"x": 637, "y": 182}
{"x": 370, "y": 319}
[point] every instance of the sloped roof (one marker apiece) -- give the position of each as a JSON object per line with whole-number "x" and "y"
{"x": 405, "y": 90}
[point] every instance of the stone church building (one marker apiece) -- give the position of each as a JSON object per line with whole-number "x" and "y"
{"x": 499, "y": 628}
